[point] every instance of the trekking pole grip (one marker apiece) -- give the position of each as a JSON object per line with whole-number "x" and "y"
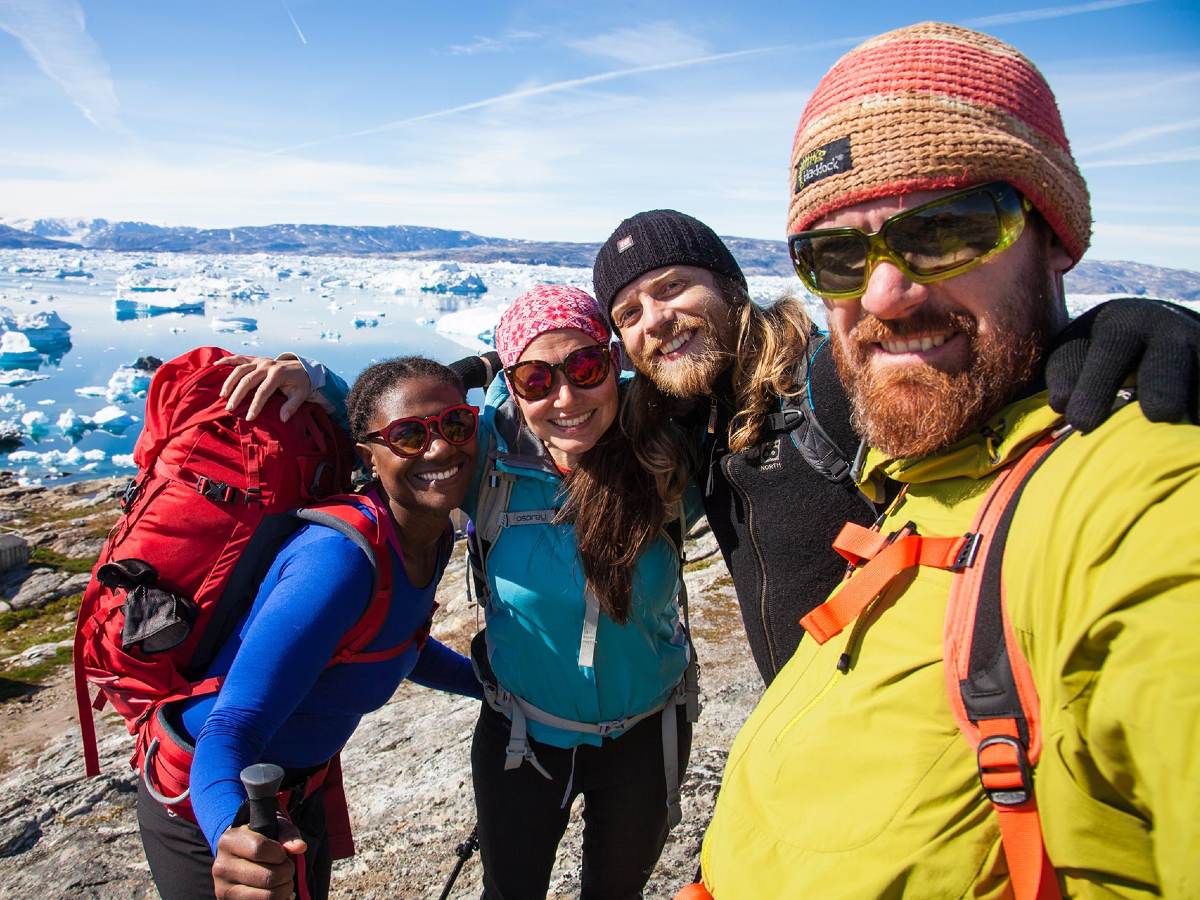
{"x": 261, "y": 782}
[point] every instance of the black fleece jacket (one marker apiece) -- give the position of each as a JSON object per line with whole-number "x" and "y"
{"x": 775, "y": 516}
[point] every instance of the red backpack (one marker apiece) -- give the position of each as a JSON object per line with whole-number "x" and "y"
{"x": 214, "y": 498}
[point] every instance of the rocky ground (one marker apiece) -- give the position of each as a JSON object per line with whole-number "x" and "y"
{"x": 407, "y": 766}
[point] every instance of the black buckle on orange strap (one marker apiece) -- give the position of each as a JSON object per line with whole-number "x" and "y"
{"x": 1006, "y": 795}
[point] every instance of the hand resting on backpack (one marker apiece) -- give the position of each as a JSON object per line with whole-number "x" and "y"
{"x": 257, "y": 377}
{"x": 249, "y": 866}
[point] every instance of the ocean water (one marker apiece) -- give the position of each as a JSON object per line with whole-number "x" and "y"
{"x": 306, "y": 305}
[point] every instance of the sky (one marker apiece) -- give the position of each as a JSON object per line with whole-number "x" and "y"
{"x": 536, "y": 120}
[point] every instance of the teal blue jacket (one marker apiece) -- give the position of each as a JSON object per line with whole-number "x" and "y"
{"x": 535, "y": 615}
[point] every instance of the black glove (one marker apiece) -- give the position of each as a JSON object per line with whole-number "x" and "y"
{"x": 477, "y": 371}
{"x": 1091, "y": 358}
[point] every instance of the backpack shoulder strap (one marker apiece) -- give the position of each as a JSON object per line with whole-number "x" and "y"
{"x": 343, "y": 514}
{"x": 798, "y": 417}
{"x": 990, "y": 685}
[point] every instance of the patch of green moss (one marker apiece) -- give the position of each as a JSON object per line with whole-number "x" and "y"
{"x": 40, "y": 556}
{"x": 18, "y": 681}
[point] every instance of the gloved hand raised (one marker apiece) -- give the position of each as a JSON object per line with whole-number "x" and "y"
{"x": 1158, "y": 342}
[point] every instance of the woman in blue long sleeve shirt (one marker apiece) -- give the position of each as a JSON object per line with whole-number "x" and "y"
{"x": 281, "y": 701}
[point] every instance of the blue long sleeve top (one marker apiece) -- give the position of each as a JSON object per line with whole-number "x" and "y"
{"x": 279, "y": 703}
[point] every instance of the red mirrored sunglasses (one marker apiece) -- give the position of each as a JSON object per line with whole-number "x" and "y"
{"x": 411, "y": 436}
{"x": 586, "y": 367}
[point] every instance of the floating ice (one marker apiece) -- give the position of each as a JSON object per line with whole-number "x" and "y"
{"x": 16, "y": 352}
{"x": 449, "y": 278}
{"x": 72, "y": 457}
{"x": 233, "y": 324}
{"x": 74, "y": 426}
{"x": 470, "y": 327}
{"x": 18, "y": 377}
{"x": 10, "y": 404}
{"x": 367, "y": 319}
{"x": 114, "y": 420}
{"x": 426, "y": 322}
{"x": 36, "y": 424}
{"x": 333, "y": 337}
{"x": 92, "y": 390}
{"x": 128, "y": 382}
{"x": 65, "y": 273}
{"x": 45, "y": 329}
{"x": 155, "y": 305}
{"x": 123, "y": 461}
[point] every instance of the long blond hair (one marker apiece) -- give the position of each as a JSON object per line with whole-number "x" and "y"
{"x": 769, "y": 346}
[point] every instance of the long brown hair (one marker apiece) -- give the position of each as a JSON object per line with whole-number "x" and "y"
{"x": 769, "y": 346}
{"x": 619, "y": 493}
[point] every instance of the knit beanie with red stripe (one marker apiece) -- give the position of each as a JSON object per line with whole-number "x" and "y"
{"x": 932, "y": 107}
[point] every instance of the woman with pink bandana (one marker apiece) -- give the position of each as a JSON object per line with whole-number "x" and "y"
{"x": 584, "y": 656}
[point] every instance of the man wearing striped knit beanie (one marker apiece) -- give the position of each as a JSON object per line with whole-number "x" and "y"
{"x": 953, "y": 728}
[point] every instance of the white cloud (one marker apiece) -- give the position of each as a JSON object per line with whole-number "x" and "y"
{"x": 54, "y": 34}
{"x": 1049, "y": 12}
{"x": 642, "y": 45}
{"x": 525, "y": 93}
{"x": 1165, "y": 157}
{"x": 483, "y": 44}
{"x": 1138, "y": 135}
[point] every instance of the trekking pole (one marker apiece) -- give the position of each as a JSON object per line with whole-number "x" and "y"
{"x": 463, "y": 851}
{"x": 261, "y": 782}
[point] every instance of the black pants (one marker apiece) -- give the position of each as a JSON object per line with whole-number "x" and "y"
{"x": 522, "y": 814}
{"x": 181, "y": 863}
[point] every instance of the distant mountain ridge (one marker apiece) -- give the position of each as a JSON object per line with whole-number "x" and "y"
{"x": 757, "y": 257}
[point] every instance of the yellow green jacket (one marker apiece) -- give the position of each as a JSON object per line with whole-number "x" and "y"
{"x": 859, "y": 784}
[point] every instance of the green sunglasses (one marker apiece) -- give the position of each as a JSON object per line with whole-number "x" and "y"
{"x": 936, "y": 240}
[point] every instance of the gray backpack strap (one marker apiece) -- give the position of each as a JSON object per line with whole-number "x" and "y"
{"x": 591, "y": 625}
{"x": 492, "y": 503}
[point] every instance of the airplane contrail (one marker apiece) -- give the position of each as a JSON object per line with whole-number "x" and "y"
{"x": 295, "y": 24}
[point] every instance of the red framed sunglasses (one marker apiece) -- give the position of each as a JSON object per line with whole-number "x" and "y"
{"x": 410, "y": 436}
{"x": 586, "y": 367}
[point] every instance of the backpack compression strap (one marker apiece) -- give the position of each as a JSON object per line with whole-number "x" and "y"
{"x": 991, "y": 688}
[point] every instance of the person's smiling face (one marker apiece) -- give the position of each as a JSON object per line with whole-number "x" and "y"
{"x": 676, "y": 327}
{"x": 437, "y": 480}
{"x": 569, "y": 420}
{"x": 924, "y": 364}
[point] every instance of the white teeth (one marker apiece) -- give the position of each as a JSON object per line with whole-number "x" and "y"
{"x": 676, "y": 342}
{"x": 439, "y": 476}
{"x": 572, "y": 422}
{"x": 915, "y": 345}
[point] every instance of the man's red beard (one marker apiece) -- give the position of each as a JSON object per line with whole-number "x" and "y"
{"x": 693, "y": 374}
{"x": 920, "y": 409}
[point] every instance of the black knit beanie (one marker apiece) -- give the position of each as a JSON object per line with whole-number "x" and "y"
{"x": 651, "y": 240}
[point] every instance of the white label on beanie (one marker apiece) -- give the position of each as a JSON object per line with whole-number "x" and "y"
{"x": 625, "y": 243}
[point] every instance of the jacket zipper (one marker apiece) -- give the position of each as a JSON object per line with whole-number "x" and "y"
{"x": 762, "y": 569}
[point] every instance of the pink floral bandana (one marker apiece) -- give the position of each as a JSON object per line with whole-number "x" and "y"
{"x": 547, "y": 307}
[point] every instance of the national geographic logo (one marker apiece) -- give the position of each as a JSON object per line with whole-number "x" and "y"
{"x": 831, "y": 159}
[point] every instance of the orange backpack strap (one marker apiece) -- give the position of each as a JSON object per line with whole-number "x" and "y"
{"x": 990, "y": 685}
{"x": 886, "y": 557}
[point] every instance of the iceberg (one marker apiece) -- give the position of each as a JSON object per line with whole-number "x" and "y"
{"x": 123, "y": 461}
{"x": 18, "y": 377}
{"x": 332, "y": 336}
{"x": 234, "y": 324}
{"x": 449, "y": 278}
{"x": 157, "y": 305}
{"x": 36, "y": 425}
{"x": 74, "y": 426}
{"x": 367, "y": 320}
{"x": 16, "y": 352}
{"x": 113, "y": 420}
{"x": 10, "y": 404}
{"x": 65, "y": 273}
{"x": 472, "y": 327}
{"x": 128, "y": 382}
{"x": 45, "y": 329}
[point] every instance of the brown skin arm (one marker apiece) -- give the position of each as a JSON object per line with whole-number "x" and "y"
{"x": 256, "y": 378}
